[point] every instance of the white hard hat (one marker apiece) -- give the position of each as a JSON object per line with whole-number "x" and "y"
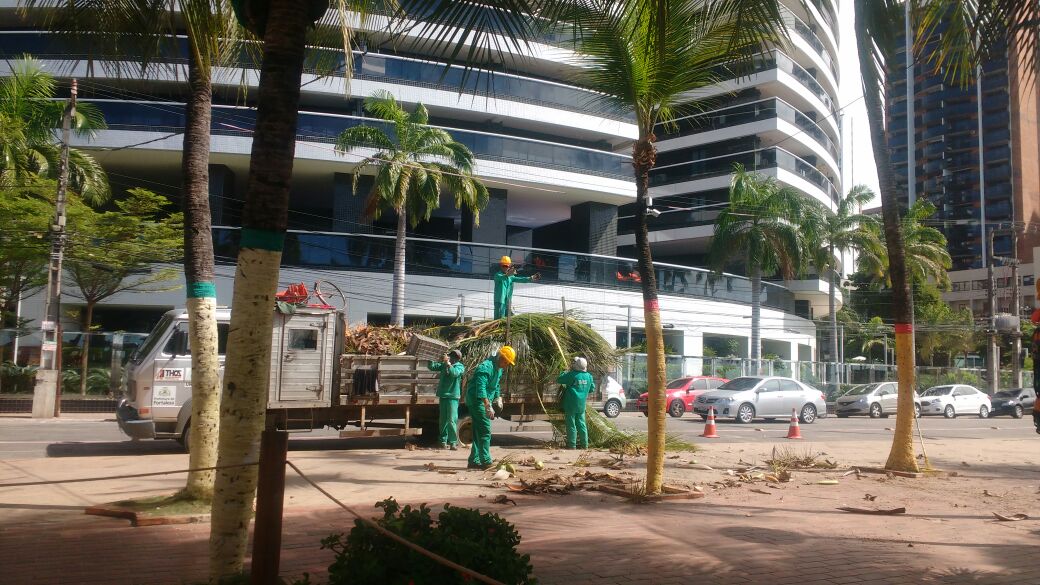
{"x": 580, "y": 364}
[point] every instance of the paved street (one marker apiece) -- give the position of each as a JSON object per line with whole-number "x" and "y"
{"x": 85, "y": 435}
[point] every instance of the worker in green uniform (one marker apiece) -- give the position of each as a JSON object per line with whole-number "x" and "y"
{"x": 504, "y": 280}
{"x": 449, "y": 384}
{"x": 579, "y": 383}
{"x": 481, "y": 391}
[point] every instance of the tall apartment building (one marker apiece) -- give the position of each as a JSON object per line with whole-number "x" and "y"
{"x": 781, "y": 120}
{"x": 557, "y": 165}
{"x": 976, "y": 197}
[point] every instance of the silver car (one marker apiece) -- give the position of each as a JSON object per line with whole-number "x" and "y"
{"x": 750, "y": 397}
{"x": 874, "y": 400}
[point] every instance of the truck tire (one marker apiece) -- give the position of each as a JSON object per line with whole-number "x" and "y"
{"x": 185, "y": 438}
{"x": 465, "y": 431}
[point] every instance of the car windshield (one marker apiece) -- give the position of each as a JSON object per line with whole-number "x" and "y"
{"x": 745, "y": 383}
{"x": 145, "y": 348}
{"x": 861, "y": 390}
{"x": 677, "y": 383}
{"x": 938, "y": 391}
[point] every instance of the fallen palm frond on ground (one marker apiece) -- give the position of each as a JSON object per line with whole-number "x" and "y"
{"x": 784, "y": 460}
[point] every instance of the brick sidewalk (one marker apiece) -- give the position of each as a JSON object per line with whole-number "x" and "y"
{"x": 574, "y": 540}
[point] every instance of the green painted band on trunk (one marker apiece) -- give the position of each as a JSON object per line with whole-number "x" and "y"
{"x": 202, "y": 290}
{"x": 262, "y": 239}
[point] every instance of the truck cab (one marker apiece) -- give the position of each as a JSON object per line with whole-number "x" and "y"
{"x": 157, "y": 391}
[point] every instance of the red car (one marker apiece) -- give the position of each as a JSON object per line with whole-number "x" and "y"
{"x": 681, "y": 392}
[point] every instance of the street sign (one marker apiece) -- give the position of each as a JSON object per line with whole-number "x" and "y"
{"x": 48, "y": 326}
{"x": 49, "y": 346}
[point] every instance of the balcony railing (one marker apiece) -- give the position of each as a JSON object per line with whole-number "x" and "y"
{"x": 805, "y": 31}
{"x": 375, "y": 253}
{"x": 766, "y": 158}
{"x": 767, "y": 109}
{"x": 324, "y": 128}
{"x": 368, "y": 66}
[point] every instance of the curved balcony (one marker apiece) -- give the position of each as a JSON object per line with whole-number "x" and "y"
{"x": 768, "y": 158}
{"x": 808, "y": 34}
{"x": 367, "y": 66}
{"x": 767, "y": 109}
{"x": 323, "y": 128}
{"x": 375, "y": 253}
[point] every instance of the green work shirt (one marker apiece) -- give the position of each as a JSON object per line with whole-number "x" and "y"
{"x": 449, "y": 383}
{"x": 504, "y": 291}
{"x": 483, "y": 383}
{"x": 578, "y": 385}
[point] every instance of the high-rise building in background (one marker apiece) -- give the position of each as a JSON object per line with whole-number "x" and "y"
{"x": 999, "y": 190}
{"x": 781, "y": 120}
{"x": 557, "y": 164}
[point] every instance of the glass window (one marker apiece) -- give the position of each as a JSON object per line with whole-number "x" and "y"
{"x": 770, "y": 386}
{"x": 303, "y": 339}
{"x": 677, "y": 383}
{"x": 742, "y": 383}
{"x": 700, "y": 384}
{"x": 789, "y": 386}
{"x": 179, "y": 343}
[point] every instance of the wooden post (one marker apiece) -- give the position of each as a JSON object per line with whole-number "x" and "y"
{"x": 270, "y": 493}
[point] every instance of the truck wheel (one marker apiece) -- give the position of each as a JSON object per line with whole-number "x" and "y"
{"x": 430, "y": 432}
{"x": 185, "y": 438}
{"x": 465, "y": 431}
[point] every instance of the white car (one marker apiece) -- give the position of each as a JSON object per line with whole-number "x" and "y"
{"x": 613, "y": 398}
{"x": 750, "y": 397}
{"x": 954, "y": 399}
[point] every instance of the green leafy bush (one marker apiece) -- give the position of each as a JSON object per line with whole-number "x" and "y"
{"x": 483, "y": 542}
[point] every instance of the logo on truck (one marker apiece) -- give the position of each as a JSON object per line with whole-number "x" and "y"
{"x": 169, "y": 375}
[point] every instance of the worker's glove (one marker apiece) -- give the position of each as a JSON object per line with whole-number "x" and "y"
{"x": 498, "y": 403}
{"x": 490, "y": 413}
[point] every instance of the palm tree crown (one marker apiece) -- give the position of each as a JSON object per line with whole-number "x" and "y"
{"x": 415, "y": 162}
{"x": 927, "y": 258}
{"x": 29, "y": 117}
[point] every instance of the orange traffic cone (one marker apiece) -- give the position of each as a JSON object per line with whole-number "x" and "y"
{"x": 709, "y": 426}
{"x": 793, "y": 432}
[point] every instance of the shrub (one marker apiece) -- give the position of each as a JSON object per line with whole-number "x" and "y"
{"x": 483, "y": 542}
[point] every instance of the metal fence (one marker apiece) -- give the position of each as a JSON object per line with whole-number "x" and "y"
{"x": 106, "y": 355}
{"x": 632, "y": 374}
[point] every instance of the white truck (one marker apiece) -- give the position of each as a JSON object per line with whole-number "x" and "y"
{"x": 312, "y": 384}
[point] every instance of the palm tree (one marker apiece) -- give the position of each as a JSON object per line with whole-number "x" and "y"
{"x": 763, "y": 226}
{"x": 839, "y": 231}
{"x": 927, "y": 258}
{"x": 648, "y": 57}
{"x": 142, "y": 34}
{"x": 29, "y": 115}
{"x": 414, "y": 162}
{"x": 476, "y": 27}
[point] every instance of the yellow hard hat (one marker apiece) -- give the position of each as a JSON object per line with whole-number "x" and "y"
{"x": 506, "y": 261}
{"x": 507, "y": 353}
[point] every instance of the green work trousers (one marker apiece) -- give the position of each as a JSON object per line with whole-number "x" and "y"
{"x": 480, "y": 449}
{"x": 577, "y": 432}
{"x": 449, "y": 421}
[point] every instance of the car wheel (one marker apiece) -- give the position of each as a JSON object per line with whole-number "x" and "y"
{"x": 983, "y": 411}
{"x": 676, "y": 408}
{"x": 808, "y": 414}
{"x": 875, "y": 410}
{"x": 612, "y": 408}
{"x": 745, "y": 414}
{"x": 917, "y": 411}
{"x": 1017, "y": 412}
{"x": 949, "y": 412}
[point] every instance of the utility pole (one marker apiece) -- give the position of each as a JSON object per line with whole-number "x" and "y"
{"x": 992, "y": 361}
{"x": 1016, "y": 310}
{"x": 47, "y": 393}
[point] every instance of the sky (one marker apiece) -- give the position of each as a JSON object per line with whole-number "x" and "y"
{"x": 859, "y": 167}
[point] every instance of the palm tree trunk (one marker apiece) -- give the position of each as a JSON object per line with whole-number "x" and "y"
{"x": 901, "y": 457}
{"x": 756, "y": 318}
{"x": 397, "y": 301}
{"x": 834, "y": 321}
{"x": 201, "y": 291}
{"x": 84, "y": 360}
{"x": 247, "y": 371}
{"x": 644, "y": 155}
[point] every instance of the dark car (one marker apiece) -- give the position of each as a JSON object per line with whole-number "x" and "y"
{"x": 1014, "y": 402}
